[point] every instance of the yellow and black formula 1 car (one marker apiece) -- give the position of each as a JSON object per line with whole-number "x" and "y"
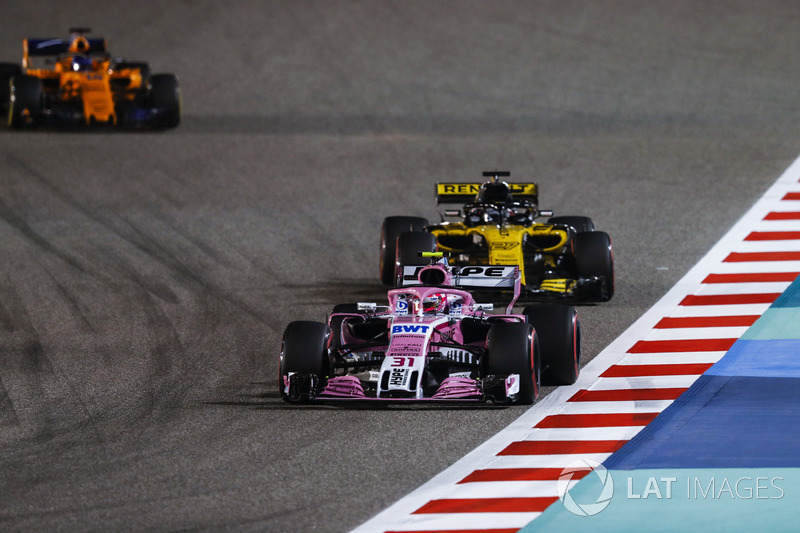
{"x": 564, "y": 258}
{"x": 81, "y": 84}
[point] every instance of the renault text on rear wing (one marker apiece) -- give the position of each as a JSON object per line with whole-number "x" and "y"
{"x": 464, "y": 193}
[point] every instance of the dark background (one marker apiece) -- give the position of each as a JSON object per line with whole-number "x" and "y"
{"x": 146, "y": 278}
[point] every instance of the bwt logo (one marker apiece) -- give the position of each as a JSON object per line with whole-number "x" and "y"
{"x": 410, "y": 329}
{"x": 565, "y": 484}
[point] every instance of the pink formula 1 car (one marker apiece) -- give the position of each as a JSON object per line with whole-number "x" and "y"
{"x": 433, "y": 342}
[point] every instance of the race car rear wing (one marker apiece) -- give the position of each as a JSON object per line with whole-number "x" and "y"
{"x": 490, "y": 277}
{"x": 54, "y": 47}
{"x": 464, "y": 193}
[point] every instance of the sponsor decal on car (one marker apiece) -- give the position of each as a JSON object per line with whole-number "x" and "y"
{"x": 417, "y": 329}
{"x": 398, "y": 377}
{"x": 470, "y": 276}
{"x": 401, "y": 308}
{"x": 503, "y": 245}
{"x": 444, "y": 189}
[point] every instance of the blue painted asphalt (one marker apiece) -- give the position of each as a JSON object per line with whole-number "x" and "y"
{"x": 725, "y": 456}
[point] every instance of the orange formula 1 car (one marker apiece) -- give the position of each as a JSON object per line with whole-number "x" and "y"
{"x": 81, "y": 84}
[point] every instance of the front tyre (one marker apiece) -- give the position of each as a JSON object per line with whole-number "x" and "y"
{"x": 513, "y": 348}
{"x": 165, "y": 97}
{"x": 304, "y": 363}
{"x": 24, "y": 101}
{"x": 391, "y": 229}
{"x": 7, "y": 71}
{"x": 559, "y": 332}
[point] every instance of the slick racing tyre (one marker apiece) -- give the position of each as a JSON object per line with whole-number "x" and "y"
{"x": 513, "y": 348}
{"x": 25, "y": 101}
{"x": 411, "y": 243}
{"x": 7, "y": 71}
{"x": 390, "y": 230}
{"x": 165, "y": 96}
{"x": 580, "y": 224}
{"x": 594, "y": 257}
{"x": 559, "y": 332}
{"x": 304, "y": 360}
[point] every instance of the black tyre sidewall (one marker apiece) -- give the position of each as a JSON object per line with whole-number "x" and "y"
{"x": 7, "y": 71}
{"x": 594, "y": 256}
{"x": 27, "y": 95}
{"x": 165, "y": 95}
{"x": 410, "y": 243}
{"x": 304, "y": 349}
{"x": 391, "y": 229}
{"x": 513, "y": 348}
{"x": 558, "y": 329}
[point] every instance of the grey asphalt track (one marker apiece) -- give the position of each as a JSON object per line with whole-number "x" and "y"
{"x": 146, "y": 278}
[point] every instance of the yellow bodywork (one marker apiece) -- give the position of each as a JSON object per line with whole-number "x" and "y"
{"x": 505, "y": 243}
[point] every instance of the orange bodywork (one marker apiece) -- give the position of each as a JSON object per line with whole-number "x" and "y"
{"x": 96, "y": 87}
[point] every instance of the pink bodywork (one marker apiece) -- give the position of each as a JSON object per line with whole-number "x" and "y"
{"x": 410, "y": 335}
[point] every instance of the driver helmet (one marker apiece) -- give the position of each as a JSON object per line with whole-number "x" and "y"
{"x": 81, "y": 63}
{"x": 494, "y": 193}
{"x": 434, "y": 303}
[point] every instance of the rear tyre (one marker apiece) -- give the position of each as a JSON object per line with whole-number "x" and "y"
{"x": 594, "y": 257}
{"x": 410, "y": 243}
{"x": 165, "y": 95}
{"x": 7, "y": 71}
{"x": 559, "y": 332}
{"x": 25, "y": 101}
{"x": 581, "y": 224}
{"x": 513, "y": 348}
{"x": 390, "y": 230}
{"x": 304, "y": 351}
